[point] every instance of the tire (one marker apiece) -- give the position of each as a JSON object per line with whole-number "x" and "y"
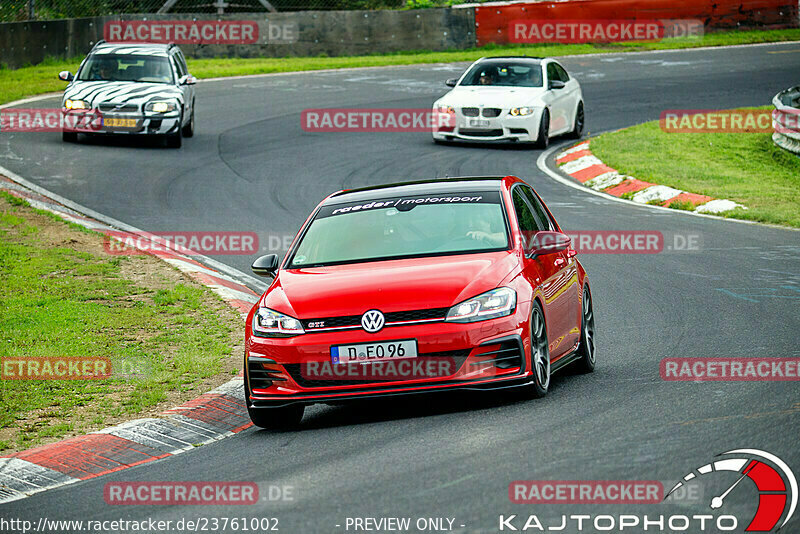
{"x": 283, "y": 418}
{"x": 543, "y": 138}
{"x": 188, "y": 130}
{"x": 580, "y": 120}
{"x": 175, "y": 140}
{"x": 587, "y": 348}
{"x": 540, "y": 354}
{"x": 69, "y": 137}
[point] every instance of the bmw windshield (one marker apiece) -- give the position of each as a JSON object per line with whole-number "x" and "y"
{"x": 403, "y": 227}
{"x": 126, "y": 68}
{"x": 504, "y": 73}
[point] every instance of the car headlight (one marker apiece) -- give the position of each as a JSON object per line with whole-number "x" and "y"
{"x": 521, "y": 112}
{"x": 160, "y": 107}
{"x": 490, "y": 305}
{"x": 76, "y": 104}
{"x": 445, "y": 109}
{"x": 269, "y": 323}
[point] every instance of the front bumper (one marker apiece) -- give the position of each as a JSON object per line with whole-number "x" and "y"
{"x": 128, "y": 123}
{"x": 504, "y": 128}
{"x": 474, "y": 356}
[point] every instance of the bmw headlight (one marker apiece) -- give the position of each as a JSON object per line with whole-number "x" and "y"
{"x": 160, "y": 107}
{"x": 445, "y": 109}
{"x": 269, "y": 323}
{"x": 76, "y": 104}
{"x": 521, "y": 112}
{"x": 490, "y": 305}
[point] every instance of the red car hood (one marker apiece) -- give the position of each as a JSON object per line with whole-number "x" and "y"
{"x": 396, "y": 285}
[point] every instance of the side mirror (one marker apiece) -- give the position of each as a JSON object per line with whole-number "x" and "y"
{"x": 547, "y": 243}
{"x": 265, "y": 265}
{"x": 65, "y": 76}
{"x": 555, "y": 84}
{"x": 451, "y": 82}
{"x": 187, "y": 80}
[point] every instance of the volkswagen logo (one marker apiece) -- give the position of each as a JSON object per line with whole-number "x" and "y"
{"x": 372, "y": 321}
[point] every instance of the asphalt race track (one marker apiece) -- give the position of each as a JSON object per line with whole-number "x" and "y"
{"x": 251, "y": 167}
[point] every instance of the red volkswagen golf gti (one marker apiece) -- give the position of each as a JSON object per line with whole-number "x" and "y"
{"x": 440, "y": 285}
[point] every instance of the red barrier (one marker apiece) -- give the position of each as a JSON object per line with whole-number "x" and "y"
{"x": 493, "y": 22}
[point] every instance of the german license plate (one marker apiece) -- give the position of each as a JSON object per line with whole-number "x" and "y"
{"x": 478, "y": 122}
{"x": 119, "y": 123}
{"x": 374, "y": 352}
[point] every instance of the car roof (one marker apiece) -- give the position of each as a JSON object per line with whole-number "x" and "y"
{"x": 531, "y": 59}
{"x": 462, "y": 184}
{"x": 138, "y": 49}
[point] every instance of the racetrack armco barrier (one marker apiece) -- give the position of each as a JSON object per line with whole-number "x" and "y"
{"x": 495, "y": 22}
{"x": 786, "y": 119}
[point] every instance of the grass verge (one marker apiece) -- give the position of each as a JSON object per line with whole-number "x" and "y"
{"x": 41, "y": 78}
{"x": 744, "y": 167}
{"x": 168, "y": 339}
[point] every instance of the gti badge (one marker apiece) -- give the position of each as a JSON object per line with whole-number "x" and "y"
{"x": 372, "y": 321}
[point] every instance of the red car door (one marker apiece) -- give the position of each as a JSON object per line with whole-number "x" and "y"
{"x": 544, "y": 271}
{"x": 561, "y": 286}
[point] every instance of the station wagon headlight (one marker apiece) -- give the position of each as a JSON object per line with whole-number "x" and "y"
{"x": 160, "y": 107}
{"x": 269, "y": 323}
{"x": 76, "y": 104}
{"x": 521, "y": 112}
{"x": 490, "y": 305}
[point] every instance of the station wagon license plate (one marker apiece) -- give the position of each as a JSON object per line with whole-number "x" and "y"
{"x": 374, "y": 352}
{"x": 119, "y": 123}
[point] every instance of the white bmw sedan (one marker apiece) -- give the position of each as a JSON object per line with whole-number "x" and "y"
{"x": 517, "y": 99}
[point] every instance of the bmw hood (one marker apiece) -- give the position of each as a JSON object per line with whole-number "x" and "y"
{"x": 492, "y": 97}
{"x": 122, "y": 92}
{"x": 389, "y": 286}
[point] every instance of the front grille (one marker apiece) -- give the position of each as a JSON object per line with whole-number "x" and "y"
{"x": 504, "y": 355}
{"x": 470, "y": 112}
{"x": 481, "y": 133}
{"x": 118, "y": 108}
{"x": 391, "y": 317}
{"x": 491, "y": 112}
{"x": 296, "y": 372}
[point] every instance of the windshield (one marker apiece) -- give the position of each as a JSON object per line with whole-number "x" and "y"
{"x": 126, "y": 68}
{"x": 504, "y": 73}
{"x": 403, "y": 227}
